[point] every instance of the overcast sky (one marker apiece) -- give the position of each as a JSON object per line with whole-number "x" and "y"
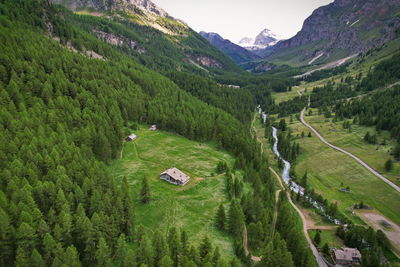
{"x": 234, "y": 19}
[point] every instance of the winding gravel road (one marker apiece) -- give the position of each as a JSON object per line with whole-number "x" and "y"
{"x": 318, "y": 257}
{"x": 380, "y": 176}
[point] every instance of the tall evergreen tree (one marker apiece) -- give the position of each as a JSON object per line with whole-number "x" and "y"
{"x": 205, "y": 248}
{"x": 389, "y": 165}
{"x": 235, "y": 219}
{"x": 317, "y": 238}
{"x": 220, "y": 218}
{"x": 174, "y": 245}
{"x": 103, "y": 253}
{"x": 145, "y": 192}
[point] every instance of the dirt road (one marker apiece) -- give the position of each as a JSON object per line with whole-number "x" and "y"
{"x": 318, "y": 257}
{"x": 245, "y": 246}
{"x": 369, "y": 168}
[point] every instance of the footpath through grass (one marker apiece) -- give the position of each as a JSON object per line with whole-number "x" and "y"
{"x": 191, "y": 207}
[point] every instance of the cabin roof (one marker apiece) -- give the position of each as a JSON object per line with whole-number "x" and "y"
{"x": 176, "y": 174}
{"x": 132, "y": 136}
{"x": 347, "y": 254}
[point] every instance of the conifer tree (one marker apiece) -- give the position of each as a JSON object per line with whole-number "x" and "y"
{"x": 71, "y": 257}
{"x": 121, "y": 250}
{"x": 220, "y": 218}
{"x": 396, "y": 152}
{"x": 184, "y": 242}
{"x": 166, "y": 262}
{"x": 317, "y": 238}
{"x": 159, "y": 246}
{"x": 103, "y": 253}
{"x": 205, "y": 248}
{"x": 235, "y": 219}
{"x": 325, "y": 249}
{"x": 6, "y": 231}
{"x": 145, "y": 192}
{"x": 174, "y": 245}
{"x": 130, "y": 258}
{"x": 389, "y": 165}
{"x": 145, "y": 251}
{"x": 36, "y": 259}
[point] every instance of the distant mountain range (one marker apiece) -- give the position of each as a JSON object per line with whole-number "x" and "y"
{"x": 248, "y": 49}
{"x": 234, "y": 51}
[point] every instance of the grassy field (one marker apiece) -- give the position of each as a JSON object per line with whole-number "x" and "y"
{"x": 329, "y": 170}
{"x": 282, "y": 97}
{"x": 374, "y": 155}
{"x": 329, "y": 237}
{"x": 191, "y": 207}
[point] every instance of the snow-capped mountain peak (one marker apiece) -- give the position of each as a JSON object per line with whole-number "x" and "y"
{"x": 264, "y": 39}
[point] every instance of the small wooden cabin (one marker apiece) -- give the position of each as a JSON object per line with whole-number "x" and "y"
{"x": 174, "y": 176}
{"x": 132, "y": 137}
{"x": 346, "y": 256}
{"x": 153, "y": 128}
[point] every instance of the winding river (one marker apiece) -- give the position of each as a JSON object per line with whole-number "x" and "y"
{"x": 293, "y": 186}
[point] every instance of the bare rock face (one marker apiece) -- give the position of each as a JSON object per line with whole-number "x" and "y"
{"x": 116, "y": 40}
{"x": 206, "y": 61}
{"x": 350, "y": 25}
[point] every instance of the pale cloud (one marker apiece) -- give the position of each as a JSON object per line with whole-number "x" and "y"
{"x": 235, "y": 19}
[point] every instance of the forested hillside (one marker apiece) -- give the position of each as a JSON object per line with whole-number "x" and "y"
{"x": 186, "y": 50}
{"x": 62, "y": 119}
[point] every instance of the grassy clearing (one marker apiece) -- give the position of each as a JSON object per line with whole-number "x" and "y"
{"x": 329, "y": 170}
{"x": 329, "y": 237}
{"x": 285, "y": 96}
{"x": 191, "y": 207}
{"x": 374, "y": 155}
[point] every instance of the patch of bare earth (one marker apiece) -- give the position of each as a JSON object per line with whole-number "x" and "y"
{"x": 311, "y": 224}
{"x": 192, "y": 183}
{"x": 377, "y": 221}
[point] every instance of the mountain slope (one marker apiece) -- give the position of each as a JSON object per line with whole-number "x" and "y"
{"x": 148, "y": 33}
{"x": 235, "y": 52}
{"x": 340, "y": 29}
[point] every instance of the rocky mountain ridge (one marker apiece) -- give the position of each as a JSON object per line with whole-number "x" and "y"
{"x": 103, "y": 5}
{"x": 341, "y": 29}
{"x": 126, "y": 24}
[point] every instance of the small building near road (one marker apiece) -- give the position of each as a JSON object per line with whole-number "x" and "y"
{"x": 346, "y": 257}
{"x": 175, "y": 176}
{"x": 153, "y": 128}
{"x": 132, "y": 137}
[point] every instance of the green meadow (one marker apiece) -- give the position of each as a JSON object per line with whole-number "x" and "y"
{"x": 327, "y": 237}
{"x": 329, "y": 170}
{"x": 191, "y": 207}
{"x": 374, "y": 155}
